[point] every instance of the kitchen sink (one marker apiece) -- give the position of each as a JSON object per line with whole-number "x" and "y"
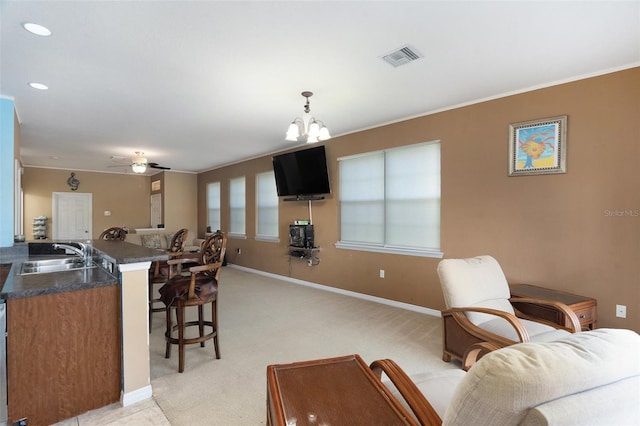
{"x": 54, "y": 265}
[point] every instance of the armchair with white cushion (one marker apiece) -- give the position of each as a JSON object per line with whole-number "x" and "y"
{"x": 478, "y": 309}
{"x": 592, "y": 377}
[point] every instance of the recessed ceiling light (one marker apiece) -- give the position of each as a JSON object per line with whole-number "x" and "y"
{"x": 37, "y": 29}
{"x": 39, "y": 86}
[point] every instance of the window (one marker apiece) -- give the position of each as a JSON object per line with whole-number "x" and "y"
{"x": 237, "y": 206}
{"x": 213, "y": 206}
{"x": 266, "y": 207}
{"x": 390, "y": 201}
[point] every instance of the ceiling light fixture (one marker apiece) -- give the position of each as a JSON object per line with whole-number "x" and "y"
{"x": 36, "y": 29}
{"x": 139, "y": 163}
{"x": 307, "y": 126}
{"x": 39, "y": 86}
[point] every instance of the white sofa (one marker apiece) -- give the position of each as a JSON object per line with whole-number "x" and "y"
{"x": 161, "y": 238}
{"x": 587, "y": 378}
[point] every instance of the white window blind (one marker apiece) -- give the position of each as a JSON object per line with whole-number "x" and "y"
{"x": 237, "y": 206}
{"x": 213, "y": 206}
{"x": 266, "y": 206}
{"x": 390, "y": 200}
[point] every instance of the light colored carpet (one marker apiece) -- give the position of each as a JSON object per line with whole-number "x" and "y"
{"x": 262, "y": 321}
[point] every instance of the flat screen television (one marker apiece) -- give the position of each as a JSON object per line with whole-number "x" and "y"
{"x": 302, "y": 174}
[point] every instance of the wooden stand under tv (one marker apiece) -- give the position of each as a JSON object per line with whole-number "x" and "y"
{"x": 584, "y": 307}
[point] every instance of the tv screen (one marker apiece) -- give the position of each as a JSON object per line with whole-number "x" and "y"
{"x": 302, "y": 173}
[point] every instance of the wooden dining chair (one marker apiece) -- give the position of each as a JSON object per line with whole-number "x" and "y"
{"x": 113, "y": 234}
{"x": 194, "y": 288}
{"x": 159, "y": 272}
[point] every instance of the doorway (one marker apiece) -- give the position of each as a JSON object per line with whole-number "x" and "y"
{"x": 156, "y": 210}
{"x": 72, "y": 216}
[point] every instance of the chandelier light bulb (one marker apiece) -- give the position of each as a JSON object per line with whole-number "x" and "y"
{"x": 307, "y": 126}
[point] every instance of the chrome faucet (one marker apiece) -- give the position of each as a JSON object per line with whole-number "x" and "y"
{"x": 83, "y": 252}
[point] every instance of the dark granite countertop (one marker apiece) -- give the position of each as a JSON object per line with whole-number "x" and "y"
{"x": 16, "y": 286}
{"x": 122, "y": 252}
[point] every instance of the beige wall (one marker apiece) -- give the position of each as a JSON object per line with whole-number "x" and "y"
{"x": 180, "y": 199}
{"x": 551, "y": 230}
{"x": 126, "y": 196}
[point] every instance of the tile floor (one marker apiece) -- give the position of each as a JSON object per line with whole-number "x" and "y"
{"x": 140, "y": 414}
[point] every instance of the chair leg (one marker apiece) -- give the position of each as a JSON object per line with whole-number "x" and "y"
{"x": 201, "y": 323}
{"x": 167, "y": 334}
{"x": 214, "y": 320}
{"x": 180, "y": 315}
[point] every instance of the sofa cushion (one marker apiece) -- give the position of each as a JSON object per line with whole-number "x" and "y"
{"x": 167, "y": 239}
{"x": 614, "y": 404}
{"x": 502, "y": 387}
{"x": 151, "y": 240}
{"x": 538, "y": 332}
{"x": 437, "y": 387}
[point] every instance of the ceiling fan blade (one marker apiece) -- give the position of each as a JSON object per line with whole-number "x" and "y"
{"x": 157, "y": 166}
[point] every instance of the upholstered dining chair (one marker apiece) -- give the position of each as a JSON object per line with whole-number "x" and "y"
{"x": 113, "y": 234}
{"x": 478, "y": 309}
{"x": 159, "y": 272}
{"x": 194, "y": 290}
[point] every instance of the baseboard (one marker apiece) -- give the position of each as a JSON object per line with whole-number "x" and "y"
{"x": 137, "y": 395}
{"x": 370, "y": 298}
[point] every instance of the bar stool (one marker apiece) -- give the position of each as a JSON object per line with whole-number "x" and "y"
{"x": 197, "y": 289}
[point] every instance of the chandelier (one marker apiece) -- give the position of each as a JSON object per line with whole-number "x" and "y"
{"x": 139, "y": 163}
{"x": 307, "y": 126}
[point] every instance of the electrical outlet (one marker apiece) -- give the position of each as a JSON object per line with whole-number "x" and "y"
{"x": 381, "y": 273}
{"x": 621, "y": 311}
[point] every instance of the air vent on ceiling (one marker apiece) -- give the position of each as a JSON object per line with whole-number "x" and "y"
{"x": 402, "y": 56}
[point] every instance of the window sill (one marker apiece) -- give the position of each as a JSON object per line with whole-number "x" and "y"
{"x": 406, "y": 251}
{"x": 267, "y": 238}
{"x": 237, "y": 236}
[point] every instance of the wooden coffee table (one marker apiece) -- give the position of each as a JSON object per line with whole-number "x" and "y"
{"x": 330, "y": 391}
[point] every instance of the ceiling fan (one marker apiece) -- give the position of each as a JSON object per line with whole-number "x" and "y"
{"x": 139, "y": 163}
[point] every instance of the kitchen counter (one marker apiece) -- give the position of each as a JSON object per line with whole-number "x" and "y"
{"x": 87, "y": 325}
{"x": 117, "y": 252}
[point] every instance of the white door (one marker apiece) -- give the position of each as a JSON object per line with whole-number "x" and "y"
{"x": 72, "y": 216}
{"x": 156, "y": 210}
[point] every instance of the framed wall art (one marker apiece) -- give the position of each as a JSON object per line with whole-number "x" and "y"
{"x": 538, "y": 147}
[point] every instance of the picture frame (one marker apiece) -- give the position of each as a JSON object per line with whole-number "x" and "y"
{"x": 538, "y": 147}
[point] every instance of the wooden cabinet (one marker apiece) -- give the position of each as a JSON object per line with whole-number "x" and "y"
{"x": 63, "y": 354}
{"x": 585, "y": 308}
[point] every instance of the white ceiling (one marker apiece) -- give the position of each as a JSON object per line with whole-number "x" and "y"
{"x": 199, "y": 84}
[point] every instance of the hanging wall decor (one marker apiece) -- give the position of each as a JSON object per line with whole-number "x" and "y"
{"x": 538, "y": 147}
{"x": 73, "y": 182}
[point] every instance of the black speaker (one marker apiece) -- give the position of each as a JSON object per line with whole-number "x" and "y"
{"x": 308, "y": 236}
{"x": 301, "y": 236}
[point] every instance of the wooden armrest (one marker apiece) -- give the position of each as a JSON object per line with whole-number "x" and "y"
{"x": 420, "y": 406}
{"x": 475, "y": 352}
{"x": 459, "y": 314}
{"x": 180, "y": 261}
{"x": 175, "y": 254}
{"x": 207, "y": 267}
{"x": 558, "y": 306}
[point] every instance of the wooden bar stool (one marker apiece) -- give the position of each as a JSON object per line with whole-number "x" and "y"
{"x": 197, "y": 289}
{"x": 113, "y": 234}
{"x": 159, "y": 271}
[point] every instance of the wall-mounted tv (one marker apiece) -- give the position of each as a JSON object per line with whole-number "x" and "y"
{"x": 302, "y": 174}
